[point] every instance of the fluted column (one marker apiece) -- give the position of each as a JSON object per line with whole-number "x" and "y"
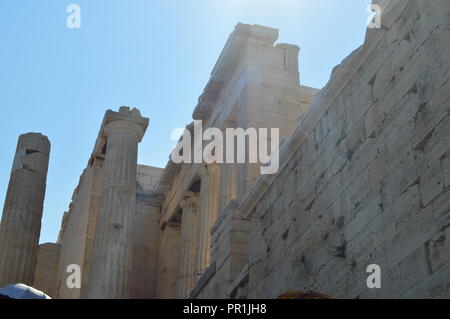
{"x": 111, "y": 260}
{"x": 21, "y": 221}
{"x": 186, "y": 271}
{"x": 208, "y": 211}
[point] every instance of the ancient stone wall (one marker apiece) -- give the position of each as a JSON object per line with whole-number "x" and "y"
{"x": 145, "y": 234}
{"x": 229, "y": 255}
{"x": 366, "y": 176}
{"x": 364, "y": 179}
{"x": 46, "y": 268}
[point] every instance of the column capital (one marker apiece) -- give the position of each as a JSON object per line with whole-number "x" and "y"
{"x": 125, "y": 120}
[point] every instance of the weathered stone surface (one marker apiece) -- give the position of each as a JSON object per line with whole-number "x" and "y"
{"x": 394, "y": 200}
{"x": 364, "y": 179}
{"x": 21, "y": 220}
{"x": 46, "y": 268}
{"x": 111, "y": 257}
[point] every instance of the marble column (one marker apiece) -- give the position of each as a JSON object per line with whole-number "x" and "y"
{"x": 186, "y": 268}
{"x": 208, "y": 211}
{"x": 111, "y": 258}
{"x": 21, "y": 221}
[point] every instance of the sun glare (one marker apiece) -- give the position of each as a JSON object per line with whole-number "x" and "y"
{"x": 260, "y": 6}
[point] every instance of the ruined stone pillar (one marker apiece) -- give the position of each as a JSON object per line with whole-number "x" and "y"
{"x": 111, "y": 260}
{"x": 186, "y": 269}
{"x": 21, "y": 221}
{"x": 228, "y": 171}
{"x": 208, "y": 211}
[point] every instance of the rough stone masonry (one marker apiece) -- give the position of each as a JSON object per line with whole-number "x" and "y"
{"x": 364, "y": 179}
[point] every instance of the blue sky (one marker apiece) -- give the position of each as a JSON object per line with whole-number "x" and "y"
{"x": 155, "y": 55}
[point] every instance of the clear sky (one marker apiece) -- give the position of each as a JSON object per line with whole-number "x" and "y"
{"x": 155, "y": 55}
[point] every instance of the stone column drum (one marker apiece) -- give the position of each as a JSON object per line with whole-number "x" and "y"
{"x": 111, "y": 260}
{"x": 21, "y": 221}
